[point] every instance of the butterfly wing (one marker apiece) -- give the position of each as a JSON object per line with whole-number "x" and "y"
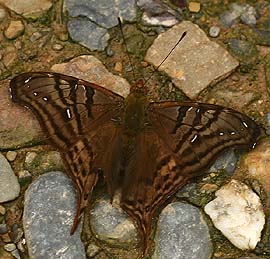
{"x": 183, "y": 139}
{"x": 75, "y": 115}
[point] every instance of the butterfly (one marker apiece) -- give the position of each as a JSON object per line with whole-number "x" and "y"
{"x": 145, "y": 150}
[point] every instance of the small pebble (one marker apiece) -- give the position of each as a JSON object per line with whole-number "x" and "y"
{"x": 2, "y": 210}
{"x": 57, "y": 46}
{"x": 30, "y": 156}
{"x": 3, "y": 228}
{"x": 109, "y": 52}
{"x": 20, "y": 245}
{"x": 5, "y": 237}
{"x": 35, "y": 36}
{"x": 24, "y": 175}
{"x": 16, "y": 235}
{"x": 16, "y": 254}
{"x": 11, "y": 155}
{"x": 14, "y": 30}
{"x": 214, "y": 31}
{"x": 10, "y": 247}
{"x": 92, "y": 250}
{"x": 118, "y": 66}
{"x": 194, "y": 7}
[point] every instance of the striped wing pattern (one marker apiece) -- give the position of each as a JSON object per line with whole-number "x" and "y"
{"x": 85, "y": 122}
{"x": 183, "y": 140}
{"x": 73, "y": 114}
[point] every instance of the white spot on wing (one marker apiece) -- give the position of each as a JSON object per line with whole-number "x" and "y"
{"x": 35, "y": 93}
{"x": 45, "y": 98}
{"x": 68, "y": 113}
{"x": 245, "y": 124}
{"x": 232, "y": 133}
{"x": 27, "y": 80}
{"x": 190, "y": 108}
{"x": 221, "y": 133}
{"x": 194, "y": 138}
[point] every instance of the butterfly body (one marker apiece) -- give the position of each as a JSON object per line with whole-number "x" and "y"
{"x": 145, "y": 150}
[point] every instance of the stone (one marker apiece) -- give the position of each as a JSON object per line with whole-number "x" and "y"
{"x": 182, "y": 233}
{"x": 89, "y": 68}
{"x": 9, "y": 185}
{"x": 10, "y": 247}
{"x": 96, "y": 17}
{"x": 50, "y": 206}
{"x": 11, "y": 155}
{"x": 214, "y": 31}
{"x": 2, "y": 210}
{"x": 110, "y": 224}
{"x": 103, "y": 12}
{"x": 195, "y": 63}
{"x": 29, "y": 7}
{"x": 14, "y": 29}
{"x": 238, "y": 213}
{"x": 256, "y": 163}
{"x": 3, "y": 13}
{"x": 157, "y": 13}
{"x": 92, "y": 250}
{"x": 79, "y": 32}
{"x": 194, "y": 7}
{"x": 226, "y": 162}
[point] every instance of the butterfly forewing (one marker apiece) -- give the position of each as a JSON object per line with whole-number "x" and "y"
{"x": 75, "y": 115}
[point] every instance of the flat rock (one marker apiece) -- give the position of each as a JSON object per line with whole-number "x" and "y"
{"x": 50, "y": 205}
{"x": 182, "y": 233}
{"x": 9, "y": 185}
{"x": 14, "y": 29}
{"x": 195, "y": 63}
{"x": 89, "y": 68}
{"x": 238, "y": 213}
{"x": 28, "y": 7}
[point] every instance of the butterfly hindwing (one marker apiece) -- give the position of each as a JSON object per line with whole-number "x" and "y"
{"x": 72, "y": 113}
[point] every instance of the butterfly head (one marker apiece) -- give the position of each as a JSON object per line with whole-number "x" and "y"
{"x": 139, "y": 88}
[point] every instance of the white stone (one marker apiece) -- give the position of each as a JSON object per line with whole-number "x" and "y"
{"x": 237, "y": 212}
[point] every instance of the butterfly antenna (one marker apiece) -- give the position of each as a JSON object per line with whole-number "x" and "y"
{"x": 156, "y": 69}
{"x": 125, "y": 43}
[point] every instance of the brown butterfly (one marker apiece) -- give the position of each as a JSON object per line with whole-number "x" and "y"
{"x": 146, "y": 150}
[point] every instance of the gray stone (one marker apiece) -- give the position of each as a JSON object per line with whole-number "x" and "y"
{"x": 214, "y": 31}
{"x": 91, "y": 18}
{"x": 245, "y": 12}
{"x": 9, "y": 185}
{"x": 226, "y": 162}
{"x": 92, "y": 250}
{"x": 111, "y": 225}
{"x": 102, "y": 12}
{"x": 195, "y": 63}
{"x": 88, "y": 34}
{"x": 157, "y": 13}
{"x": 50, "y": 205}
{"x": 182, "y": 233}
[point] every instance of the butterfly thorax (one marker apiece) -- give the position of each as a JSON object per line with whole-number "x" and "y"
{"x": 136, "y": 105}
